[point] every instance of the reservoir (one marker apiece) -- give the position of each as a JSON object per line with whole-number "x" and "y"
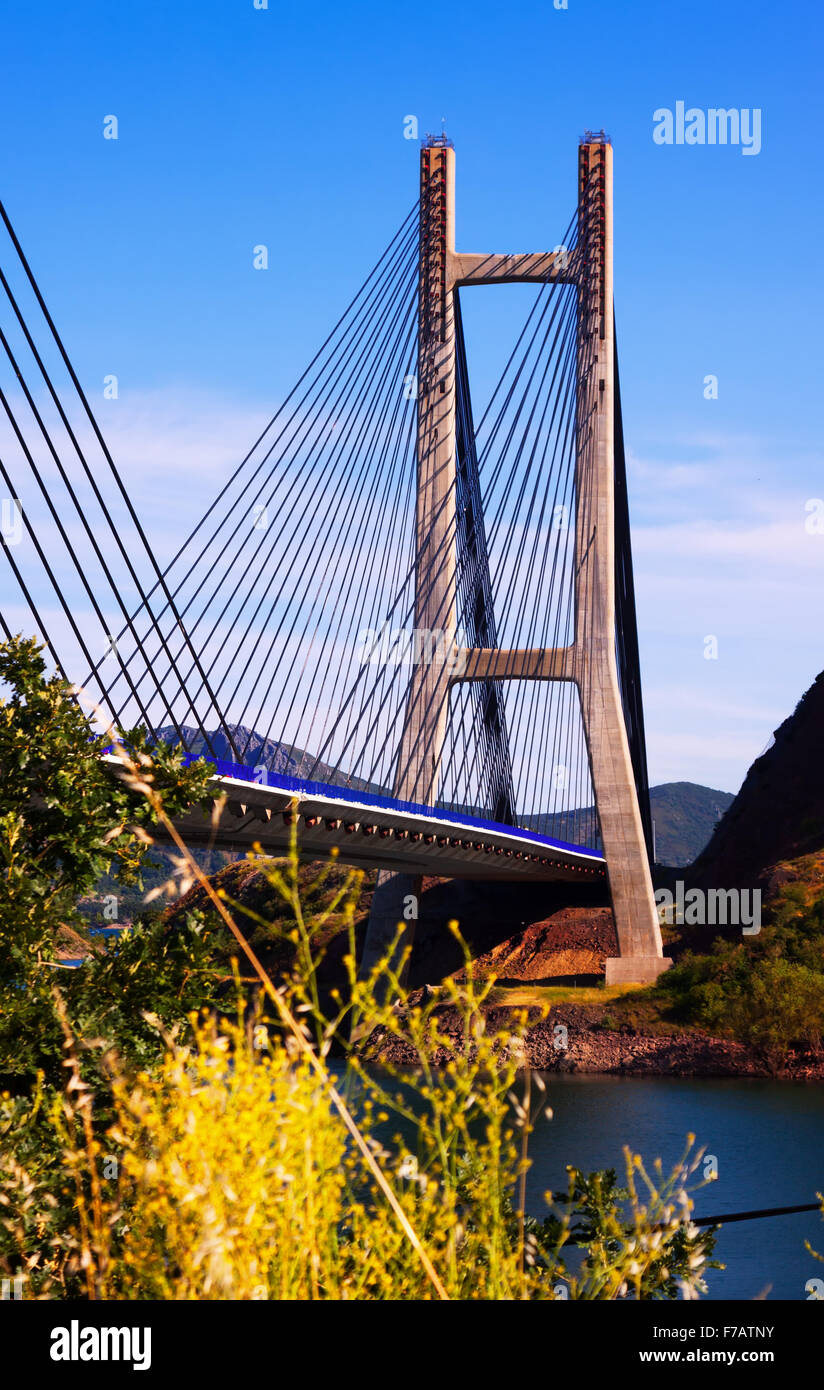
{"x": 768, "y": 1141}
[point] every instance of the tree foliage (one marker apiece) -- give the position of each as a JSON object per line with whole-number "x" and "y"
{"x": 67, "y": 819}
{"x": 766, "y": 991}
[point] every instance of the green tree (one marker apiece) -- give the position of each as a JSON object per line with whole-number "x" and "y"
{"x": 69, "y": 816}
{"x": 781, "y": 1006}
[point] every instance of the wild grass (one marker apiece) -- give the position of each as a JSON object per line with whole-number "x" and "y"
{"x": 529, "y": 996}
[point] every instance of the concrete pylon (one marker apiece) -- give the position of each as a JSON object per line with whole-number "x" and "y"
{"x": 590, "y": 662}
{"x": 641, "y": 957}
{"x": 427, "y": 707}
{"x": 396, "y": 896}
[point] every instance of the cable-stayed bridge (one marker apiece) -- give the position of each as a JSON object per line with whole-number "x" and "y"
{"x": 411, "y": 627}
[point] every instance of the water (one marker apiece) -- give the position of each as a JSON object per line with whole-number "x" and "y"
{"x": 767, "y": 1137}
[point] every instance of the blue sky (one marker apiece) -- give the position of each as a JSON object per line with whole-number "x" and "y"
{"x": 284, "y": 126}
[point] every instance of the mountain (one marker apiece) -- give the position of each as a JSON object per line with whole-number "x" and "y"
{"x": 258, "y": 750}
{"x": 217, "y": 744}
{"x": 685, "y": 815}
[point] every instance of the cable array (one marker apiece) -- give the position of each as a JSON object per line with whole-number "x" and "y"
{"x": 281, "y": 633}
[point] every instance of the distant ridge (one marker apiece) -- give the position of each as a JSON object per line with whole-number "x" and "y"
{"x": 684, "y": 813}
{"x": 685, "y": 816}
{"x": 277, "y": 757}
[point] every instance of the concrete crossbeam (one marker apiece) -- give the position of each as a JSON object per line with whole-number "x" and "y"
{"x": 498, "y": 664}
{"x": 467, "y": 268}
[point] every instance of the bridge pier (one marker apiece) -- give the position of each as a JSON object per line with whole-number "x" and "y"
{"x": 395, "y": 901}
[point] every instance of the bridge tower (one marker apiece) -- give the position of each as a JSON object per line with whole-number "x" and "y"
{"x": 590, "y": 662}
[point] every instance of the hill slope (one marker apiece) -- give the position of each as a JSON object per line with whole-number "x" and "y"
{"x": 685, "y": 815}
{"x": 779, "y": 812}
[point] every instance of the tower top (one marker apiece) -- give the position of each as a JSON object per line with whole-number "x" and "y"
{"x": 441, "y": 141}
{"x": 595, "y": 137}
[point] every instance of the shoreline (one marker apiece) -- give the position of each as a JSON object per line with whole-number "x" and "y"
{"x": 569, "y": 1043}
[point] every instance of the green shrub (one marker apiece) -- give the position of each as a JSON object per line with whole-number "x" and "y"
{"x": 66, "y": 821}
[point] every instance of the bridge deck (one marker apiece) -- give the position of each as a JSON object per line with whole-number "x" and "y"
{"x": 372, "y": 831}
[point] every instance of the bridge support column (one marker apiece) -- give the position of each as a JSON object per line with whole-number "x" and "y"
{"x": 396, "y": 900}
{"x": 427, "y": 708}
{"x": 641, "y": 957}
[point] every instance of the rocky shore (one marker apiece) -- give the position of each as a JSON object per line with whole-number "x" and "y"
{"x": 571, "y": 1040}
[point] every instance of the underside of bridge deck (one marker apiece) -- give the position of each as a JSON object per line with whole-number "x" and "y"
{"x": 375, "y": 837}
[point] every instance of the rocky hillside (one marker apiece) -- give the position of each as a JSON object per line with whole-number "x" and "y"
{"x": 778, "y": 815}
{"x": 522, "y": 933}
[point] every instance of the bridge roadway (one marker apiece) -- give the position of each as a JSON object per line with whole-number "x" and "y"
{"x": 371, "y": 831}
